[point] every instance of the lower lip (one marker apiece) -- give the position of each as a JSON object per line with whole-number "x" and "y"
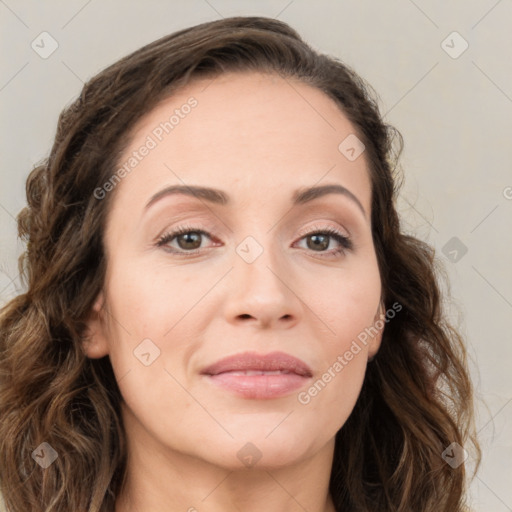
{"x": 259, "y": 386}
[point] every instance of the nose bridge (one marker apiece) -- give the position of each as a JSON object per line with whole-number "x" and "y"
{"x": 261, "y": 279}
{"x": 260, "y": 247}
{"x": 259, "y": 262}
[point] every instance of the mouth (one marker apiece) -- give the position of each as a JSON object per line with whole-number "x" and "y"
{"x": 257, "y": 376}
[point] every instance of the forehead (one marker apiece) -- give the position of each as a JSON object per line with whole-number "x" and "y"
{"x": 252, "y": 133}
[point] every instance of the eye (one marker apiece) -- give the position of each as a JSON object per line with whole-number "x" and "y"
{"x": 320, "y": 240}
{"x": 187, "y": 238}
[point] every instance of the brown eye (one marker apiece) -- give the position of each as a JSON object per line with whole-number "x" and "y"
{"x": 318, "y": 241}
{"x": 183, "y": 240}
{"x": 190, "y": 240}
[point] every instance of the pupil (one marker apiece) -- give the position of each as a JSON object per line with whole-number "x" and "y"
{"x": 190, "y": 238}
{"x": 323, "y": 245}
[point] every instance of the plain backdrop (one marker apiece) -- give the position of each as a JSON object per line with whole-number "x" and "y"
{"x": 443, "y": 74}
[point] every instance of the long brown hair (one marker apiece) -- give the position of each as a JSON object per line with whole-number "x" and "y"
{"x": 416, "y": 399}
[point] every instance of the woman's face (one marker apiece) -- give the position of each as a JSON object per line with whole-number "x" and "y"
{"x": 255, "y": 274}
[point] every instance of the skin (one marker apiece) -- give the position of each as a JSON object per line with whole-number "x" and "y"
{"x": 258, "y": 138}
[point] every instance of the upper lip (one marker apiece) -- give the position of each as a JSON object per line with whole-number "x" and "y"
{"x": 263, "y": 362}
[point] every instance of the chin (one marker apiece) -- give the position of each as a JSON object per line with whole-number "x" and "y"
{"x": 255, "y": 449}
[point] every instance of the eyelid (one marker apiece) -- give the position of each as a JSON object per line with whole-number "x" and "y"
{"x": 318, "y": 228}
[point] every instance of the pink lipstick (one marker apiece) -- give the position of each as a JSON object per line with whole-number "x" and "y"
{"x": 257, "y": 376}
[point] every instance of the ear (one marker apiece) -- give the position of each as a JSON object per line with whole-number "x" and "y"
{"x": 95, "y": 340}
{"x": 378, "y": 323}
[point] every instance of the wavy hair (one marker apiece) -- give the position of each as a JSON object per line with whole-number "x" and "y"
{"x": 417, "y": 397}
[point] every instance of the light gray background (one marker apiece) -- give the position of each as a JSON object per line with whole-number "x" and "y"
{"x": 454, "y": 113}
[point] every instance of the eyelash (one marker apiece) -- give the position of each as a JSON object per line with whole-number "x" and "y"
{"x": 344, "y": 241}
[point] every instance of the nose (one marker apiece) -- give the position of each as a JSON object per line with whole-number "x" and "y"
{"x": 261, "y": 293}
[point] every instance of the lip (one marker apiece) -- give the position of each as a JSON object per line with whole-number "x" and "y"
{"x": 259, "y": 376}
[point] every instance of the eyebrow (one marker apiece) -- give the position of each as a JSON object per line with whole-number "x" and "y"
{"x": 216, "y": 196}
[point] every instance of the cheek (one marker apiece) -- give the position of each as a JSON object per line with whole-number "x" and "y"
{"x": 334, "y": 392}
{"x": 150, "y": 301}
{"x": 347, "y": 302}
{"x": 150, "y": 322}
{"x": 342, "y": 383}
{"x": 349, "y": 306}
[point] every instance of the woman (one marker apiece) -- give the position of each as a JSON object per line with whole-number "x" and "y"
{"x": 222, "y": 312}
